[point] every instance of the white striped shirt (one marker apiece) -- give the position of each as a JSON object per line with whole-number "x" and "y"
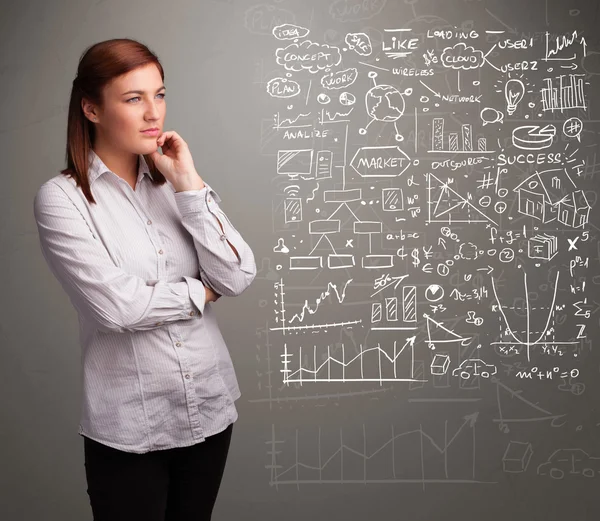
{"x": 156, "y": 372}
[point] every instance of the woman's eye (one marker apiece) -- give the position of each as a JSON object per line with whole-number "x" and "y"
{"x": 137, "y": 97}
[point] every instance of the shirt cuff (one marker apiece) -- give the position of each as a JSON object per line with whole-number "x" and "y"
{"x": 190, "y": 201}
{"x": 197, "y": 293}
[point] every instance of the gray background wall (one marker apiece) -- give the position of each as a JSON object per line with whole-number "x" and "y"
{"x": 443, "y": 448}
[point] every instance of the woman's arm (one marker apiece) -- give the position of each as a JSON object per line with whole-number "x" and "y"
{"x": 226, "y": 261}
{"x": 102, "y": 292}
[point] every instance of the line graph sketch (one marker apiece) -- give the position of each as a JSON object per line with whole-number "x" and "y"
{"x": 528, "y": 412}
{"x": 413, "y": 456}
{"x": 371, "y": 364}
{"x": 546, "y": 336}
{"x": 438, "y": 208}
{"x": 281, "y": 312}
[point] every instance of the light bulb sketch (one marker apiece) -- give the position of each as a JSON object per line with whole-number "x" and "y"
{"x": 513, "y": 92}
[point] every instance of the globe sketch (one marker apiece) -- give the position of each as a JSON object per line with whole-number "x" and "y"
{"x": 384, "y": 103}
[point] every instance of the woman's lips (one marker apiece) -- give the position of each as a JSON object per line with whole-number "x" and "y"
{"x": 151, "y": 132}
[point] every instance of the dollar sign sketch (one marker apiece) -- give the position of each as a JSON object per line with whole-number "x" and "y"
{"x": 415, "y": 256}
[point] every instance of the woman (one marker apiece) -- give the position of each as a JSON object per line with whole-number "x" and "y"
{"x": 139, "y": 243}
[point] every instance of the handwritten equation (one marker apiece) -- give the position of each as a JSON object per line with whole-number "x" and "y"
{"x": 431, "y": 220}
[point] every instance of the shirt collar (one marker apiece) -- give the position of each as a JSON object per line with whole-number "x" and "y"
{"x": 97, "y": 167}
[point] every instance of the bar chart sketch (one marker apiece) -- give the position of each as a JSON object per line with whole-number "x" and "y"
{"x": 565, "y": 94}
{"x": 461, "y": 142}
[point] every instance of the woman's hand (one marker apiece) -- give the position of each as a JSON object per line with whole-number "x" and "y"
{"x": 176, "y": 162}
{"x": 211, "y": 296}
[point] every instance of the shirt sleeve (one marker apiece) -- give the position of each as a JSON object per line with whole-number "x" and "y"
{"x": 115, "y": 301}
{"x": 221, "y": 269}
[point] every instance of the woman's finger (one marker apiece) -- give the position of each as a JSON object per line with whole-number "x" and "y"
{"x": 171, "y": 139}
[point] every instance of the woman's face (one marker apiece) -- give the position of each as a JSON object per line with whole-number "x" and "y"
{"x": 125, "y": 114}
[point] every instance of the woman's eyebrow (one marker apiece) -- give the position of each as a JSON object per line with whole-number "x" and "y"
{"x": 141, "y": 91}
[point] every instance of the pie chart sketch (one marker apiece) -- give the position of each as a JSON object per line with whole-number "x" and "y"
{"x": 434, "y": 293}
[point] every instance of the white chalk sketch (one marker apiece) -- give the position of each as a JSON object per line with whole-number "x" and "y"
{"x": 451, "y": 144}
{"x": 462, "y": 56}
{"x": 403, "y": 450}
{"x": 290, "y": 32}
{"x": 437, "y": 333}
{"x": 294, "y": 163}
{"x": 542, "y": 246}
{"x": 434, "y": 293}
{"x": 528, "y": 339}
{"x": 355, "y": 10}
{"x": 513, "y": 92}
{"x": 525, "y": 411}
{"x": 283, "y": 88}
{"x": 564, "y": 93}
{"x": 559, "y": 48}
{"x": 282, "y": 313}
{"x": 384, "y": 103}
{"x": 440, "y": 364}
{"x": 572, "y": 128}
{"x": 310, "y": 56}
{"x": 434, "y": 244}
{"x": 553, "y": 195}
{"x": 339, "y": 79}
{"x": 347, "y": 98}
{"x": 262, "y": 18}
{"x": 386, "y": 161}
{"x": 533, "y": 137}
{"x": 370, "y": 364}
{"x": 474, "y": 367}
{"x": 490, "y": 115}
{"x": 392, "y": 199}
{"x": 281, "y": 247}
{"x": 516, "y": 457}
{"x": 398, "y": 43}
{"x": 445, "y": 205}
{"x": 359, "y": 43}
{"x": 569, "y": 463}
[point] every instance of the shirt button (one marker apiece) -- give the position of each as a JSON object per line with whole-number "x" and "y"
{"x": 187, "y": 376}
{"x": 160, "y": 251}
{"x": 148, "y": 221}
{"x": 192, "y": 313}
{"x": 223, "y": 237}
{"x": 178, "y": 344}
{"x": 159, "y": 323}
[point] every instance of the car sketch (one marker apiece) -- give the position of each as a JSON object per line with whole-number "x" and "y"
{"x": 474, "y": 367}
{"x": 569, "y": 461}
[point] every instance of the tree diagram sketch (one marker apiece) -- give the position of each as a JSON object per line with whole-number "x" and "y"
{"x": 434, "y": 240}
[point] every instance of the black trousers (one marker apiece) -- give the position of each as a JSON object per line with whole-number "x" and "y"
{"x": 179, "y": 484}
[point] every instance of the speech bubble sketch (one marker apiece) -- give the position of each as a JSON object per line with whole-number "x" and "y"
{"x": 259, "y": 19}
{"x": 289, "y": 32}
{"x": 355, "y": 10}
{"x": 591, "y": 63}
{"x": 283, "y": 88}
{"x": 359, "y": 43}
{"x": 310, "y": 56}
{"x": 339, "y": 79}
{"x": 462, "y": 56}
{"x": 572, "y": 128}
{"x": 491, "y": 115}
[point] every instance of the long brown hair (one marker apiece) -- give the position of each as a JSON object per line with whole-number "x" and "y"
{"x": 98, "y": 65}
